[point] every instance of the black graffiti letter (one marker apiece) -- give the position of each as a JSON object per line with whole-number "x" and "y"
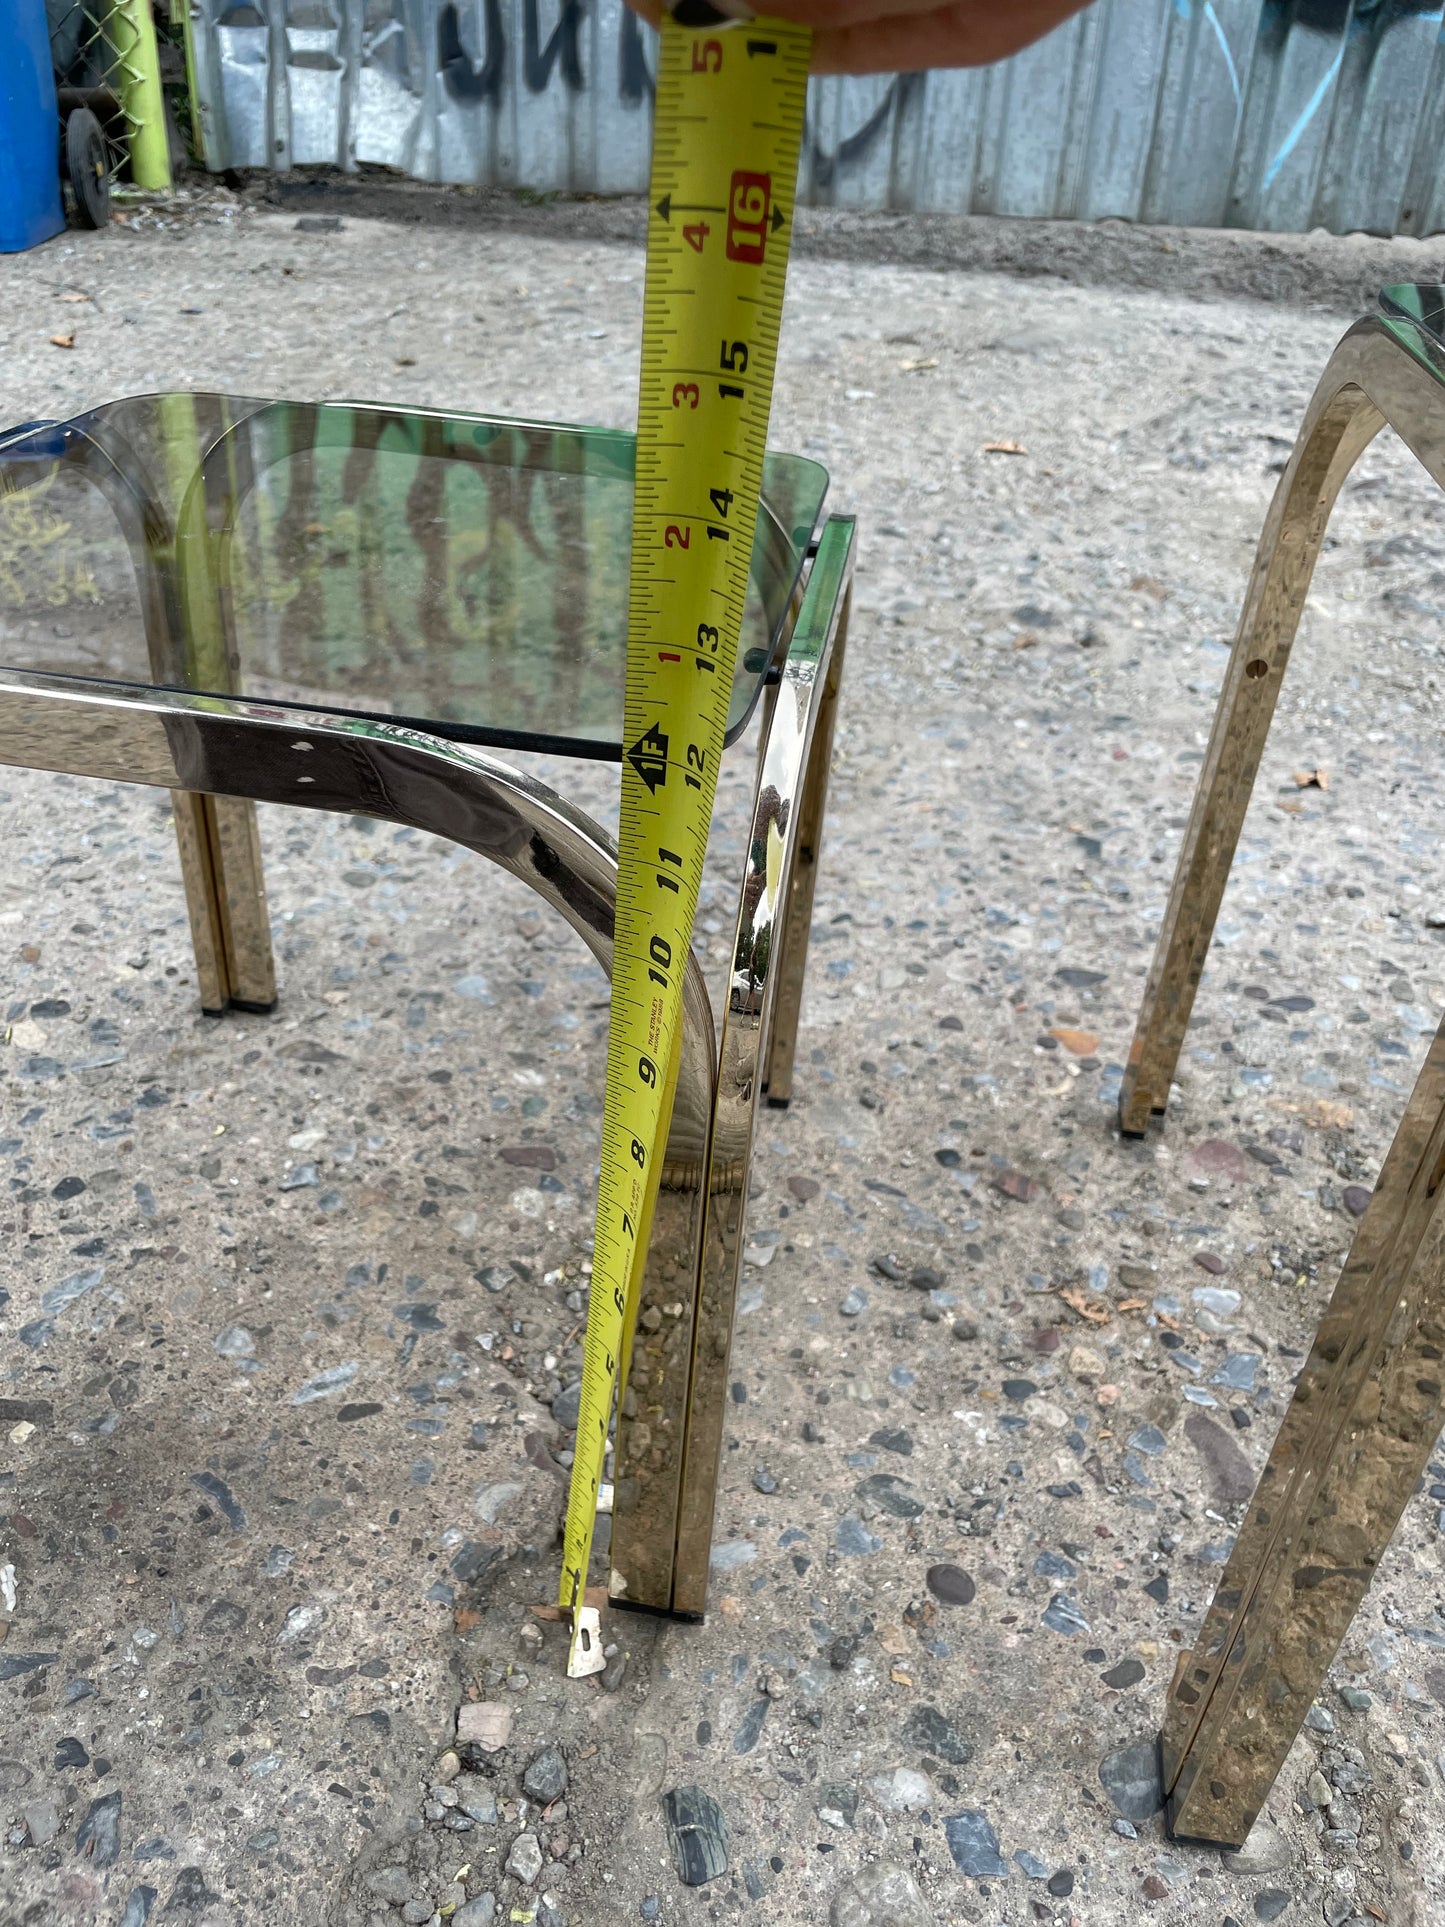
{"x": 537, "y": 61}
{"x": 462, "y": 80}
{"x": 634, "y": 79}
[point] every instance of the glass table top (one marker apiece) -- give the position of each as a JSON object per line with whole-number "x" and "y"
{"x": 463, "y": 574}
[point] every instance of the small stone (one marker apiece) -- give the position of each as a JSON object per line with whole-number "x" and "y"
{"x": 1211, "y": 1262}
{"x": 479, "y": 1911}
{"x": 1086, "y": 1363}
{"x": 1344, "y": 1815}
{"x": 1035, "y": 1868}
{"x": 804, "y": 1189}
{"x": 477, "y": 1801}
{"x": 925, "y": 1278}
{"x": 1318, "y": 1789}
{"x": 1356, "y": 1199}
{"x": 391, "y": 1884}
{"x": 417, "y": 1912}
{"x": 887, "y": 1266}
{"x": 1356, "y": 1698}
{"x": 1148, "y": 1439}
{"x": 764, "y": 1482}
{"x": 1061, "y": 1884}
{"x": 1320, "y": 1719}
{"x": 138, "y": 1904}
{"x": 1014, "y": 1184}
{"x": 566, "y": 1404}
{"x": 97, "y": 1838}
{"x": 974, "y": 1844}
{"x": 1154, "y": 1888}
{"x": 1130, "y": 1777}
{"x": 893, "y": 1439}
{"x": 1063, "y": 1616}
{"x": 927, "y": 1729}
{"x": 697, "y": 1835}
{"x": 950, "y": 1584}
{"x": 881, "y": 1895}
{"x": 524, "y": 1862}
{"x": 1079, "y": 1043}
{"x": 854, "y": 1539}
{"x": 1127, "y": 1673}
{"x": 615, "y": 1671}
{"x": 964, "y": 1330}
{"x": 1053, "y": 1565}
{"x": 1217, "y": 1299}
{"x": 42, "y": 1822}
{"x": 750, "y": 1726}
{"x": 485, "y": 1723}
{"x": 1231, "y": 1476}
{"x": 1270, "y": 1903}
{"x": 837, "y": 1805}
{"x": 890, "y": 1494}
{"x": 854, "y": 1302}
{"x": 1019, "y": 1389}
{"x": 1216, "y": 1160}
{"x": 1138, "y": 1277}
{"x": 901, "y": 1791}
{"x": 1238, "y": 1372}
{"x": 546, "y": 1777}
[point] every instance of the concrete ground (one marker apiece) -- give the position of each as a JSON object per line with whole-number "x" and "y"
{"x": 250, "y": 1598}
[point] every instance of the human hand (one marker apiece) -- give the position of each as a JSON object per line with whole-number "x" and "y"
{"x": 900, "y": 36}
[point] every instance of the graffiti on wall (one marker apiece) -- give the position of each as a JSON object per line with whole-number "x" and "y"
{"x": 1281, "y": 114}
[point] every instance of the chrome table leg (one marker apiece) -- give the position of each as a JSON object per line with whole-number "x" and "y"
{"x": 1364, "y": 1419}
{"x": 226, "y": 896}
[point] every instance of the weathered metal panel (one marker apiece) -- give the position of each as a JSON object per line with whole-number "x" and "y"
{"x": 1278, "y": 114}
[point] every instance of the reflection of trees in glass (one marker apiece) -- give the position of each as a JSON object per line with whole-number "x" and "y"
{"x": 762, "y": 951}
{"x": 39, "y": 562}
{"x": 755, "y": 945}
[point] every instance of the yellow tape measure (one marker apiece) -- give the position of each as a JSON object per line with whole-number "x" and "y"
{"x": 726, "y": 133}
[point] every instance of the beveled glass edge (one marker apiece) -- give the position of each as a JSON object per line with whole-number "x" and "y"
{"x": 1419, "y": 301}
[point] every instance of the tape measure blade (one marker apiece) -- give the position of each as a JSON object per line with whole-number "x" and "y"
{"x": 728, "y": 125}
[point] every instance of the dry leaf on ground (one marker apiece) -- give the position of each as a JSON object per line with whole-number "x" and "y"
{"x": 1077, "y": 1299}
{"x": 1004, "y": 448}
{"x": 1312, "y": 779}
{"x": 1083, "y": 1043}
{"x": 62, "y": 341}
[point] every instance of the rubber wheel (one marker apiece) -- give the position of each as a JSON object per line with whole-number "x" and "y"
{"x": 87, "y": 168}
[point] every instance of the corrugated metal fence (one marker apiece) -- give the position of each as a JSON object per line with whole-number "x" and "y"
{"x": 1276, "y": 114}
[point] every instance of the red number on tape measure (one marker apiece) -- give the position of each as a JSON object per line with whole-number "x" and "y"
{"x": 748, "y": 203}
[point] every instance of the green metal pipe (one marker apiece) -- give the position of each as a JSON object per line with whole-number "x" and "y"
{"x": 133, "y": 34}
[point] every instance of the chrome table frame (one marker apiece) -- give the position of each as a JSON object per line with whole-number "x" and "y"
{"x": 1367, "y": 1408}
{"x": 220, "y": 755}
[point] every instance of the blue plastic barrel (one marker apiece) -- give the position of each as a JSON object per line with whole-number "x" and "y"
{"x": 30, "y": 209}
